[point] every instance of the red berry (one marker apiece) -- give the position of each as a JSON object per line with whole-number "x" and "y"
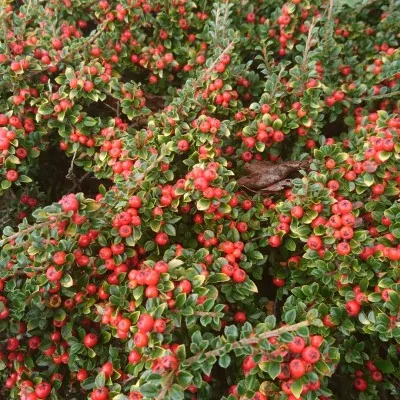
{"x": 161, "y": 238}
{"x": 42, "y": 390}
{"x": 314, "y": 242}
{"x": 353, "y": 308}
{"x": 99, "y": 394}
{"x": 297, "y": 345}
{"x": 140, "y": 340}
{"x": 274, "y": 241}
{"x": 239, "y": 275}
{"x": 145, "y": 323}
{"x": 81, "y": 375}
{"x": 311, "y": 355}
{"x": 90, "y": 340}
{"x": 360, "y": 384}
{"x": 297, "y": 368}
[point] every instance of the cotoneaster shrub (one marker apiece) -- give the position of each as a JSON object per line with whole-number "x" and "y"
{"x": 244, "y": 242}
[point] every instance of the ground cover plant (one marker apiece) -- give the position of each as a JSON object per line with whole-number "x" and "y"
{"x": 199, "y": 199}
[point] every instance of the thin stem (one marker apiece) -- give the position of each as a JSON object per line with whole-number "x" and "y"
{"x": 166, "y": 386}
{"x": 391, "y": 6}
{"x": 265, "y": 58}
{"x": 200, "y": 313}
{"x": 147, "y": 170}
{"x": 379, "y": 96}
{"x": 216, "y": 27}
{"x": 70, "y": 174}
{"x": 25, "y": 231}
{"x": 251, "y": 340}
{"x": 307, "y": 47}
{"x": 4, "y": 28}
{"x": 225, "y": 20}
{"x": 368, "y": 3}
{"x": 89, "y": 41}
{"x": 272, "y": 94}
{"x": 111, "y": 108}
{"x": 257, "y": 238}
{"x": 84, "y": 44}
{"x": 328, "y": 21}
{"x": 216, "y": 61}
{"x": 79, "y": 182}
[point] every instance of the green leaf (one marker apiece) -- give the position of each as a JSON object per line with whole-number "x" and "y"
{"x": 60, "y": 315}
{"x": 175, "y": 263}
{"x": 100, "y": 380}
{"x": 203, "y": 204}
{"x": 250, "y": 285}
{"x": 5, "y": 184}
{"x": 169, "y": 229}
{"x": 219, "y": 277}
{"x": 66, "y": 280}
{"x": 322, "y": 368}
{"x": 385, "y": 366}
{"x": 69, "y": 73}
{"x": 89, "y": 121}
{"x": 224, "y": 361}
{"x": 396, "y": 233}
{"x": 25, "y": 179}
{"x": 45, "y": 109}
{"x": 184, "y": 379}
{"x": 290, "y": 317}
{"x": 369, "y": 179}
{"x": 176, "y": 392}
{"x": 297, "y": 388}
{"x": 273, "y": 368}
{"x": 290, "y": 244}
{"x": 149, "y": 390}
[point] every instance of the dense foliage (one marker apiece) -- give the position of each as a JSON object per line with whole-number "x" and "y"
{"x": 244, "y": 241}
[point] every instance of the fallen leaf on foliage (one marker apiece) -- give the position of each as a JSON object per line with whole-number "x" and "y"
{"x": 270, "y": 307}
{"x": 266, "y": 176}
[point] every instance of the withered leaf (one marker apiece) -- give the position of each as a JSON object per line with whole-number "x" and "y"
{"x": 266, "y": 176}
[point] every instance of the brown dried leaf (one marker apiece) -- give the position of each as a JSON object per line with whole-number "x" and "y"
{"x": 261, "y": 174}
{"x": 278, "y": 186}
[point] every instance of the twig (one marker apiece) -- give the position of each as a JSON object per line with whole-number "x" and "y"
{"x": 21, "y": 273}
{"x": 166, "y": 385}
{"x": 391, "y": 6}
{"x": 79, "y": 182}
{"x": 139, "y": 121}
{"x": 70, "y": 175}
{"x": 257, "y": 238}
{"x": 272, "y": 94}
{"x": 147, "y": 170}
{"x": 265, "y": 58}
{"x": 368, "y": 3}
{"x": 200, "y": 313}
{"x": 86, "y": 43}
{"x": 216, "y": 61}
{"x": 308, "y": 46}
{"x": 4, "y": 220}
{"x": 216, "y": 26}
{"x": 111, "y": 107}
{"x": 225, "y": 20}
{"x": 377, "y": 97}
{"x": 4, "y": 28}
{"x": 328, "y": 21}
{"x": 26, "y": 231}
{"x": 244, "y": 342}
